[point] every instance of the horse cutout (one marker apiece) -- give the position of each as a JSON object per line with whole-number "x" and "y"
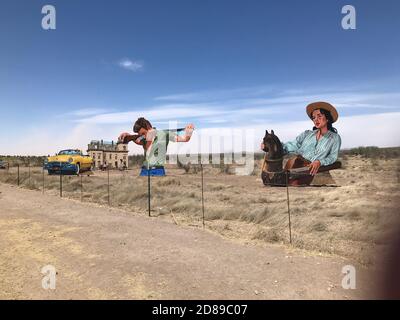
{"x": 296, "y": 171}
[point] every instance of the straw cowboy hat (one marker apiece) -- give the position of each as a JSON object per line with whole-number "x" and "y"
{"x": 322, "y": 105}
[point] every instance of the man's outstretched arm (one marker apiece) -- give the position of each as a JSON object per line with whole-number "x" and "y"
{"x": 126, "y": 137}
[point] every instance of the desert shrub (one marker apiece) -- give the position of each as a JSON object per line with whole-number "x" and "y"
{"x": 186, "y": 206}
{"x": 353, "y": 215}
{"x": 224, "y": 197}
{"x": 269, "y": 235}
{"x": 257, "y": 215}
{"x": 319, "y": 227}
{"x": 188, "y": 167}
{"x": 191, "y": 195}
{"x": 336, "y": 214}
{"x": 214, "y": 213}
{"x": 372, "y": 152}
{"x": 168, "y": 182}
{"x": 232, "y": 213}
{"x": 24, "y": 161}
{"x": 226, "y": 168}
{"x": 262, "y": 200}
{"x": 217, "y": 187}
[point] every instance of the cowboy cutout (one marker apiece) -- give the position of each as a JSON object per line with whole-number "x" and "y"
{"x": 316, "y": 150}
{"x": 155, "y": 143}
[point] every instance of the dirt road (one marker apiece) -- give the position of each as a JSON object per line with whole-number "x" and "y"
{"x": 104, "y": 253}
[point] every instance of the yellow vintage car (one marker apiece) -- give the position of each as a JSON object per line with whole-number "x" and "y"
{"x": 68, "y": 161}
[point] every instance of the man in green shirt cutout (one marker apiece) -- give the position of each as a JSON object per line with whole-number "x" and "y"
{"x": 155, "y": 143}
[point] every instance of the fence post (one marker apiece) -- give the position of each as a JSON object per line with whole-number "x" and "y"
{"x": 108, "y": 183}
{"x": 81, "y": 188}
{"x": 29, "y": 173}
{"x": 287, "y": 194}
{"x": 202, "y": 192}
{"x": 43, "y": 176}
{"x": 60, "y": 183}
{"x": 18, "y": 174}
{"x": 148, "y": 189}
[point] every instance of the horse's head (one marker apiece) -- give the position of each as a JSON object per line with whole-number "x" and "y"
{"x": 272, "y": 145}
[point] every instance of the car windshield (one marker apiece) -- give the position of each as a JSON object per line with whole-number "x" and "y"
{"x": 69, "y": 152}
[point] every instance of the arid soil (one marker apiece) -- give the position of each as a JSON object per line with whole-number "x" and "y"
{"x": 354, "y": 216}
{"x": 109, "y": 253}
{"x": 104, "y": 245}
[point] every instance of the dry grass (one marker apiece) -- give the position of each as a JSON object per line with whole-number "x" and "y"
{"x": 351, "y": 220}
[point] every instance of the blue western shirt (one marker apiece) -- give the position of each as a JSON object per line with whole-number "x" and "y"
{"x": 326, "y": 150}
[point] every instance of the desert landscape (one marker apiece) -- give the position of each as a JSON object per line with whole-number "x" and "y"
{"x": 349, "y": 216}
{"x": 96, "y": 95}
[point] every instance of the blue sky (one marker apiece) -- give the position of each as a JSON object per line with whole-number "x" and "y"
{"x": 218, "y": 64}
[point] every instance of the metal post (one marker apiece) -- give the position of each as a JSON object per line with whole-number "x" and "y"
{"x": 81, "y": 187}
{"x": 29, "y": 173}
{"x": 287, "y": 194}
{"x": 18, "y": 174}
{"x": 43, "y": 177}
{"x": 148, "y": 189}
{"x": 202, "y": 192}
{"x": 108, "y": 183}
{"x": 60, "y": 184}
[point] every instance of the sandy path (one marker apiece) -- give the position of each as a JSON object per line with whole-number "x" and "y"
{"x": 100, "y": 252}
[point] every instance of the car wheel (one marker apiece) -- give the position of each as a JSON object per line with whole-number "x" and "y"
{"x": 78, "y": 169}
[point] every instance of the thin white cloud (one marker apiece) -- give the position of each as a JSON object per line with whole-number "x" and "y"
{"x": 224, "y": 94}
{"x": 160, "y": 113}
{"x": 201, "y": 112}
{"x": 88, "y": 112}
{"x": 131, "y": 65}
{"x": 270, "y": 96}
{"x": 339, "y": 99}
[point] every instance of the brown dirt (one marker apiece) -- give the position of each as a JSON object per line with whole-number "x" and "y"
{"x": 109, "y": 253}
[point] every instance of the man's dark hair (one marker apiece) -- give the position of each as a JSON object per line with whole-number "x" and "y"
{"x": 328, "y": 117}
{"x": 141, "y": 123}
